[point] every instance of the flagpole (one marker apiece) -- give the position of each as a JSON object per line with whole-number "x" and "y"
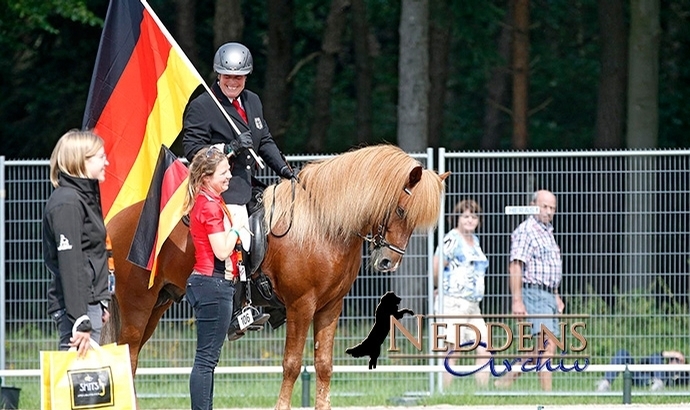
{"x": 191, "y": 67}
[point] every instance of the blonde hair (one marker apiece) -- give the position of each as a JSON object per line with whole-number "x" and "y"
{"x": 71, "y": 152}
{"x": 203, "y": 164}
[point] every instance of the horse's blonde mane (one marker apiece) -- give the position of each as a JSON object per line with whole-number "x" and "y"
{"x": 346, "y": 194}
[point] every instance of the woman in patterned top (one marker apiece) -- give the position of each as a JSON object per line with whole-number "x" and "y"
{"x": 462, "y": 284}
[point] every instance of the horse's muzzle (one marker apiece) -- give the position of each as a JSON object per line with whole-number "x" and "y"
{"x": 385, "y": 264}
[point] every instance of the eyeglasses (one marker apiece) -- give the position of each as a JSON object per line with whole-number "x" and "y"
{"x": 102, "y": 157}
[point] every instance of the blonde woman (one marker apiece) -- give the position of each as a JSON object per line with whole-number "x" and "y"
{"x": 74, "y": 239}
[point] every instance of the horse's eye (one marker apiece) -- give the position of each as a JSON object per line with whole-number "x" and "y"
{"x": 400, "y": 211}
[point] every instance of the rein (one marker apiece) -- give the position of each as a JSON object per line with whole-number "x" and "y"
{"x": 293, "y": 182}
{"x": 379, "y": 240}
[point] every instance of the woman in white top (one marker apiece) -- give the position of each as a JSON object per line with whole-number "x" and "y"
{"x": 462, "y": 284}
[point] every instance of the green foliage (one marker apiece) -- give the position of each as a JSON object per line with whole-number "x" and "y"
{"x": 636, "y": 324}
{"x": 46, "y": 74}
{"x": 22, "y": 16}
{"x": 49, "y": 47}
{"x": 674, "y": 112}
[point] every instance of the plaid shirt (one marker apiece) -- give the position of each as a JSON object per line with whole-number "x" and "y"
{"x": 533, "y": 243}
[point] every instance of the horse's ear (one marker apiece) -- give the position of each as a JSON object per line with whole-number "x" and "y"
{"x": 444, "y": 175}
{"x": 415, "y": 177}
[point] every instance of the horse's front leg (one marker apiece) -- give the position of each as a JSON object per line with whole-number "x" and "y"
{"x": 298, "y": 321}
{"x": 325, "y": 324}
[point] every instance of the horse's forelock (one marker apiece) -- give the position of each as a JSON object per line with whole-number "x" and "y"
{"x": 352, "y": 191}
{"x": 425, "y": 204}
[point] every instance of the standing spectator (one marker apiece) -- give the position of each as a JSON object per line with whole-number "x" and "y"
{"x": 210, "y": 289}
{"x": 535, "y": 276}
{"x": 656, "y": 380}
{"x": 464, "y": 267}
{"x": 205, "y": 125}
{"x": 74, "y": 240}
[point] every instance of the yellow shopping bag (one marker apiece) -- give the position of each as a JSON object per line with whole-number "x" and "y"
{"x": 100, "y": 380}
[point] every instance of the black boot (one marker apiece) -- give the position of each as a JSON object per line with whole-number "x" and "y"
{"x": 258, "y": 321}
{"x": 263, "y": 285}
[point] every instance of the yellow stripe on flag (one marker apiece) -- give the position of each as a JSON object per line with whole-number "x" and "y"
{"x": 175, "y": 86}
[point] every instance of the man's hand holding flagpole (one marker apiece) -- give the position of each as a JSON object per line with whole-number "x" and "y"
{"x": 234, "y": 127}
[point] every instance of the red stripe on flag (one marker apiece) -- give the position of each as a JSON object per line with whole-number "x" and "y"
{"x": 162, "y": 209}
{"x": 122, "y": 125}
{"x": 173, "y": 178}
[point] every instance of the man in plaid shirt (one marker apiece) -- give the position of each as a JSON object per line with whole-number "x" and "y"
{"x": 535, "y": 275}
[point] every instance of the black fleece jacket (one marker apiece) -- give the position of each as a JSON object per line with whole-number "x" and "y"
{"x": 74, "y": 246}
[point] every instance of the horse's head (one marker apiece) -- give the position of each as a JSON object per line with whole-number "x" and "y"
{"x": 391, "y": 235}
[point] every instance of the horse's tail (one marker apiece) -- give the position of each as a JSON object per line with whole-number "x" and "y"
{"x": 111, "y": 328}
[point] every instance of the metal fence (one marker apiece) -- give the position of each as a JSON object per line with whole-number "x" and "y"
{"x": 622, "y": 225}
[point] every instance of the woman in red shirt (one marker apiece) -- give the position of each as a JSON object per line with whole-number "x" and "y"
{"x": 209, "y": 288}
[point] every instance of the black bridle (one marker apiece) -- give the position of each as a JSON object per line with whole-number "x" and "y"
{"x": 378, "y": 240}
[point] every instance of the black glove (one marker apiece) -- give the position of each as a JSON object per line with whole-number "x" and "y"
{"x": 287, "y": 173}
{"x": 244, "y": 141}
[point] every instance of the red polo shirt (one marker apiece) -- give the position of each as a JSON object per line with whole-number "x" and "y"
{"x": 206, "y": 218}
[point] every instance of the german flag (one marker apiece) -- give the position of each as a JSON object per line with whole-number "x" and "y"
{"x": 141, "y": 83}
{"x": 161, "y": 212}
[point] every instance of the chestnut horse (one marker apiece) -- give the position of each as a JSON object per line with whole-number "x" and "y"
{"x": 377, "y": 194}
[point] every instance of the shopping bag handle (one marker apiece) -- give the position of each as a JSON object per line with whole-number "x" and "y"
{"x": 92, "y": 343}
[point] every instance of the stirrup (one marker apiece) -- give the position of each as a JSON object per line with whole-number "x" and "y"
{"x": 235, "y": 333}
{"x": 259, "y": 318}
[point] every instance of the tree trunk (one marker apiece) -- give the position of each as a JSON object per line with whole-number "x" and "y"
{"x": 413, "y": 77}
{"x": 363, "y": 70}
{"x": 521, "y": 74}
{"x": 642, "y": 129}
{"x": 613, "y": 76}
{"x": 228, "y": 23}
{"x": 278, "y": 64}
{"x": 185, "y": 23}
{"x": 439, "y": 46}
{"x": 413, "y": 123}
{"x": 497, "y": 87}
{"x": 325, "y": 71}
{"x": 643, "y": 80}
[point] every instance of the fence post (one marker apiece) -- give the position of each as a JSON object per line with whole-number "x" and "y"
{"x": 305, "y": 387}
{"x": 3, "y": 274}
{"x": 627, "y": 385}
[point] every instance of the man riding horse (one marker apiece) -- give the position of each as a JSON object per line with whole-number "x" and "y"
{"x": 240, "y": 131}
